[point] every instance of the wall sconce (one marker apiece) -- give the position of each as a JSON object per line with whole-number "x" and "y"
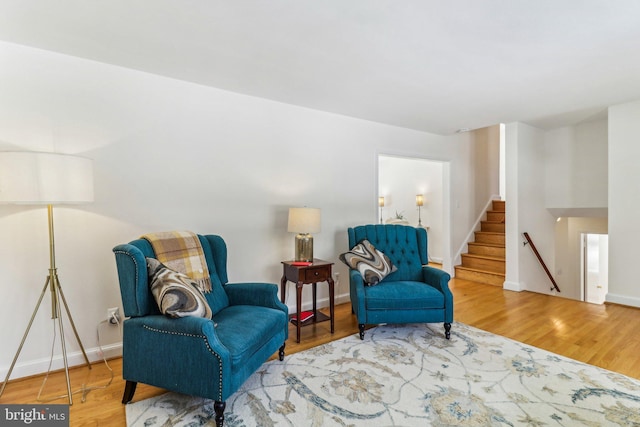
{"x": 381, "y": 205}
{"x": 419, "y": 204}
{"x": 304, "y": 221}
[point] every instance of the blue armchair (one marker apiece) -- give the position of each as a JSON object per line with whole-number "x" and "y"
{"x": 414, "y": 293}
{"x": 193, "y": 355}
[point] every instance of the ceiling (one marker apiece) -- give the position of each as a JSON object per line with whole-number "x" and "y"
{"x": 431, "y": 65}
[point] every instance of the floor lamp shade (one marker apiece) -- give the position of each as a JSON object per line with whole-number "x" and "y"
{"x": 304, "y": 221}
{"x": 45, "y": 178}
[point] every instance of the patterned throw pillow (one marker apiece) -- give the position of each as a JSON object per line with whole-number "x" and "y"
{"x": 175, "y": 293}
{"x": 369, "y": 261}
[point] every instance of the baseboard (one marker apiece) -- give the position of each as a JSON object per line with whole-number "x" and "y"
{"x": 341, "y": 299}
{"x": 322, "y": 302}
{"x": 40, "y": 366}
{"x": 512, "y": 286}
{"x": 623, "y": 300}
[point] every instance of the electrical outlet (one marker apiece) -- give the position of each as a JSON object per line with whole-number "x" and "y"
{"x": 113, "y": 314}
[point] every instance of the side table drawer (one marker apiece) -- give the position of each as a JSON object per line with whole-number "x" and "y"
{"x": 319, "y": 274}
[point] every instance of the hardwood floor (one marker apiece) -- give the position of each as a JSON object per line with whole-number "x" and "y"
{"x": 602, "y": 335}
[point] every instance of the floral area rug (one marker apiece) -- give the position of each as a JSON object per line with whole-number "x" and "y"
{"x": 410, "y": 375}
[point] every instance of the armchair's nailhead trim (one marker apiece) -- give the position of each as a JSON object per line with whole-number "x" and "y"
{"x": 175, "y": 333}
{"x": 135, "y": 263}
{"x": 206, "y": 342}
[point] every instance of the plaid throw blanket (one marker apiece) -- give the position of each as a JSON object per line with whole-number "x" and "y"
{"x": 181, "y": 251}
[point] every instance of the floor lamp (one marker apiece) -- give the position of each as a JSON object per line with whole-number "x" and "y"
{"x": 419, "y": 204}
{"x": 32, "y": 178}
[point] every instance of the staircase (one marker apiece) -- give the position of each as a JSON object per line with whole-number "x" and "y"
{"x": 485, "y": 261}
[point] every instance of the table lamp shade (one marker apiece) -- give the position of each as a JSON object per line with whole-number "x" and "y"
{"x": 304, "y": 220}
{"x": 45, "y": 178}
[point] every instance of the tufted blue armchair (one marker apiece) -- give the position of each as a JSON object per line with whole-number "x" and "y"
{"x": 415, "y": 293}
{"x": 192, "y": 355}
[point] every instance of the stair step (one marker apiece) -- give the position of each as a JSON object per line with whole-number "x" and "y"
{"x": 493, "y": 226}
{"x": 490, "y": 249}
{"x": 496, "y": 216}
{"x": 498, "y": 205}
{"x": 489, "y": 237}
{"x": 483, "y": 262}
{"x": 480, "y": 276}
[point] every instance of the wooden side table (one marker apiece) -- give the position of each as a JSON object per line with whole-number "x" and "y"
{"x": 318, "y": 271}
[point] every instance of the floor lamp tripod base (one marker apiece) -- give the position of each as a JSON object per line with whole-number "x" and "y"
{"x": 52, "y": 283}
{"x": 56, "y": 297}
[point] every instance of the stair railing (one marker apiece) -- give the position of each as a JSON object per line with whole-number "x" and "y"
{"x": 535, "y": 251}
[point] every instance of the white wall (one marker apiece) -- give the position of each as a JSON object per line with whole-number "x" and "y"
{"x": 558, "y": 145}
{"x": 624, "y": 203}
{"x": 576, "y": 167}
{"x": 486, "y": 160}
{"x": 590, "y": 176}
{"x": 512, "y": 235}
{"x": 400, "y": 180}
{"x": 174, "y": 155}
{"x": 526, "y": 210}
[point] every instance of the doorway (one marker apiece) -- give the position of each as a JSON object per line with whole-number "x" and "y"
{"x": 595, "y": 272}
{"x": 400, "y": 180}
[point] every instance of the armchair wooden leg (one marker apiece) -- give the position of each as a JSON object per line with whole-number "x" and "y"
{"x": 281, "y": 353}
{"x": 219, "y": 408}
{"x": 447, "y": 330}
{"x": 129, "y": 390}
{"x": 361, "y": 327}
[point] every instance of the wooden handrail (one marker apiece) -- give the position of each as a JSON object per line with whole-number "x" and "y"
{"x": 535, "y": 251}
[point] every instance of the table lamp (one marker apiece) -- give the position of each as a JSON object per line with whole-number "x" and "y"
{"x": 304, "y": 221}
{"x": 381, "y": 205}
{"x": 31, "y": 178}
